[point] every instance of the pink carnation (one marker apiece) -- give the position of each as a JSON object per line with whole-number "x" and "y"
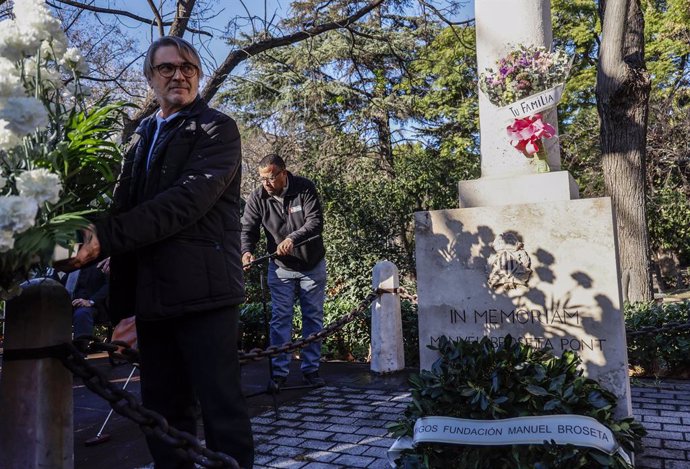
{"x": 526, "y": 133}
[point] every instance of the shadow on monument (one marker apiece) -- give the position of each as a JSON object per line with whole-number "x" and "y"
{"x": 476, "y": 281}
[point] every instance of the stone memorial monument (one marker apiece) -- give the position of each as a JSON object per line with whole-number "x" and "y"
{"x": 522, "y": 255}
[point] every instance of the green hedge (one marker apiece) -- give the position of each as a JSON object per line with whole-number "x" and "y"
{"x": 350, "y": 343}
{"x": 666, "y": 353}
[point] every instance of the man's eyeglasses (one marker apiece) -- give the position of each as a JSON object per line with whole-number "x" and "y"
{"x": 271, "y": 178}
{"x": 167, "y": 70}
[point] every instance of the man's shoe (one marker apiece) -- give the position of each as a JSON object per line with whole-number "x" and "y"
{"x": 275, "y": 383}
{"x": 313, "y": 379}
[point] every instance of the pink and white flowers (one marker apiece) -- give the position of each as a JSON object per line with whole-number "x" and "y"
{"x": 525, "y": 71}
{"x": 526, "y": 134}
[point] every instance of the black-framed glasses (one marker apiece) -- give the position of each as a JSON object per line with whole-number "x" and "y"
{"x": 167, "y": 70}
{"x": 272, "y": 178}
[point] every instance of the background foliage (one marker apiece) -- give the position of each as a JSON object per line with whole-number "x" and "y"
{"x": 659, "y": 354}
{"x": 384, "y": 119}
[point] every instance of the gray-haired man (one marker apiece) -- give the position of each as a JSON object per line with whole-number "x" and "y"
{"x": 174, "y": 240}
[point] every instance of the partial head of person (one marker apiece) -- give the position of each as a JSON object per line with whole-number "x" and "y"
{"x": 273, "y": 174}
{"x": 172, "y": 67}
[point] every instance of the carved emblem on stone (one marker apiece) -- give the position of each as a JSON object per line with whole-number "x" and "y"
{"x": 510, "y": 265}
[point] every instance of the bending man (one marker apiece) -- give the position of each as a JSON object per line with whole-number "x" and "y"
{"x": 288, "y": 208}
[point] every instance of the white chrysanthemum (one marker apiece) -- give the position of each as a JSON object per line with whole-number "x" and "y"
{"x": 35, "y": 23}
{"x": 23, "y": 114}
{"x": 10, "y": 80}
{"x": 50, "y": 77}
{"x": 73, "y": 60}
{"x": 17, "y": 213}
{"x": 6, "y": 240}
{"x": 8, "y": 139}
{"x": 12, "y": 46}
{"x": 53, "y": 50}
{"x": 40, "y": 185}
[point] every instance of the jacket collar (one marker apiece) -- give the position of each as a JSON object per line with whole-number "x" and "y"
{"x": 196, "y": 107}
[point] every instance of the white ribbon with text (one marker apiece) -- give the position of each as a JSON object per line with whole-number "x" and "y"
{"x": 563, "y": 429}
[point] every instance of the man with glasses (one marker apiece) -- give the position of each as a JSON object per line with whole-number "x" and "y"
{"x": 288, "y": 208}
{"x": 173, "y": 238}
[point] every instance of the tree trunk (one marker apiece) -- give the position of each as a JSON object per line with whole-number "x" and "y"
{"x": 623, "y": 88}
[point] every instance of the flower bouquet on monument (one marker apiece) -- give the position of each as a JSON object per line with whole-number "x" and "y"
{"x": 58, "y": 151}
{"x": 527, "y": 82}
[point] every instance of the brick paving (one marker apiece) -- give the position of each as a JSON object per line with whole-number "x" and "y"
{"x": 331, "y": 427}
{"x": 345, "y": 427}
{"x": 664, "y": 410}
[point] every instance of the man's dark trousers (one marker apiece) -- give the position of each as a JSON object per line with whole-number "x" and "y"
{"x": 198, "y": 348}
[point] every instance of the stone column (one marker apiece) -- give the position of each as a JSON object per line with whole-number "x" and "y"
{"x": 501, "y": 25}
{"x": 36, "y": 410}
{"x": 387, "y": 352}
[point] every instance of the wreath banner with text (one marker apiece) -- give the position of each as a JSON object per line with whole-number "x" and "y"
{"x": 565, "y": 429}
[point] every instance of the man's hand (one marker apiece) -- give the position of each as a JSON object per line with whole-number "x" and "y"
{"x": 81, "y": 302}
{"x": 104, "y": 265}
{"x": 87, "y": 253}
{"x": 285, "y": 247}
{"x": 247, "y": 258}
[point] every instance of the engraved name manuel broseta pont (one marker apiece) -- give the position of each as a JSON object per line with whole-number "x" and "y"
{"x": 526, "y": 317}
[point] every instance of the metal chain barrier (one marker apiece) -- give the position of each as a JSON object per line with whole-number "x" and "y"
{"x": 151, "y": 423}
{"x": 123, "y": 351}
{"x": 674, "y": 326}
{"x": 405, "y": 295}
{"x": 259, "y": 354}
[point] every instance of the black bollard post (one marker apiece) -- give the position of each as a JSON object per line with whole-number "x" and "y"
{"x": 36, "y": 405}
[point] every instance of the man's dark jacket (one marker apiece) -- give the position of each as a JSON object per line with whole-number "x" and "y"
{"x": 92, "y": 284}
{"x": 299, "y": 217}
{"x": 174, "y": 232}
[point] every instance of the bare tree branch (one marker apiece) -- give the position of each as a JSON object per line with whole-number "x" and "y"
{"x": 128, "y": 14}
{"x": 182, "y": 15}
{"x": 443, "y": 17}
{"x": 236, "y": 57}
{"x": 157, "y": 14}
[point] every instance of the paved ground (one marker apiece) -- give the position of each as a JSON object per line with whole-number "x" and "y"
{"x": 311, "y": 431}
{"x": 664, "y": 409}
{"x": 343, "y": 425}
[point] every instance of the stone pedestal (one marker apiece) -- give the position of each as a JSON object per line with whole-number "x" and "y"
{"x": 546, "y": 273}
{"x": 36, "y": 410}
{"x": 523, "y": 189}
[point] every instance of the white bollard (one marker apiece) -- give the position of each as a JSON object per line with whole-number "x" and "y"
{"x": 387, "y": 352}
